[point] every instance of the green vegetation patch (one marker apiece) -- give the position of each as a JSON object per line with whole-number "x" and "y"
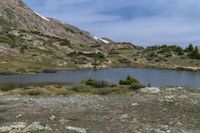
{"x": 9, "y": 39}
{"x": 65, "y": 43}
{"x": 129, "y": 80}
{"x": 81, "y": 88}
{"x": 96, "y": 84}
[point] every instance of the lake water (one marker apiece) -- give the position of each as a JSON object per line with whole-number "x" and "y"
{"x": 155, "y": 77}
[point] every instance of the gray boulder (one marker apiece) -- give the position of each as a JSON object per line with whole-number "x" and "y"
{"x": 149, "y": 90}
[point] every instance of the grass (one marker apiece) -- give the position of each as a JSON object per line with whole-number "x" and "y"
{"x": 9, "y": 39}
{"x": 2, "y": 119}
{"x": 129, "y": 81}
{"x": 96, "y": 84}
{"x": 4, "y": 24}
{"x": 35, "y": 92}
{"x": 90, "y": 86}
{"x": 81, "y": 88}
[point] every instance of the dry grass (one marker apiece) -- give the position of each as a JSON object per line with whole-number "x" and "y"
{"x": 65, "y": 90}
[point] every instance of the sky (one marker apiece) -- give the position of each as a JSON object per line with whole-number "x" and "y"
{"x": 142, "y": 22}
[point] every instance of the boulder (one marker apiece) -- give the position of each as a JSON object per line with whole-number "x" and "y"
{"x": 13, "y": 126}
{"x": 149, "y": 90}
{"x": 76, "y": 129}
{"x": 36, "y": 126}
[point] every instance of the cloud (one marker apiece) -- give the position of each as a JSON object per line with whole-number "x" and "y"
{"x": 141, "y": 22}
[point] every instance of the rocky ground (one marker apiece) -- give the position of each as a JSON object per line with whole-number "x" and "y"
{"x": 149, "y": 110}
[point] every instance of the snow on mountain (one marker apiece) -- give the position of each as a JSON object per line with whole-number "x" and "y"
{"x": 100, "y": 39}
{"x": 42, "y": 16}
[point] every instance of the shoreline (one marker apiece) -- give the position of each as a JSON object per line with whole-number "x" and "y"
{"x": 144, "y": 66}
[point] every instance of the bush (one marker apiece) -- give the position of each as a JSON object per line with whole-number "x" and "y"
{"x": 129, "y": 80}
{"x": 96, "y": 84}
{"x": 81, "y": 88}
{"x": 2, "y": 119}
{"x": 124, "y": 61}
{"x": 65, "y": 43}
{"x": 136, "y": 86}
{"x": 113, "y": 85}
{"x": 105, "y": 91}
{"x": 35, "y": 92}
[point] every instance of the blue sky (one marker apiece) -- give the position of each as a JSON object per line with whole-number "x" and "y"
{"x": 143, "y": 22}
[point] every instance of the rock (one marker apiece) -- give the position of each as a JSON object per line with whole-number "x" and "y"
{"x": 18, "y": 116}
{"x": 63, "y": 121}
{"x": 180, "y": 88}
{"x": 80, "y": 130}
{"x": 170, "y": 98}
{"x": 52, "y": 117}
{"x": 125, "y": 116}
{"x": 149, "y": 90}
{"x": 13, "y": 126}
{"x": 35, "y": 126}
{"x": 134, "y": 104}
{"x": 183, "y": 97}
{"x": 170, "y": 89}
{"x": 1, "y": 93}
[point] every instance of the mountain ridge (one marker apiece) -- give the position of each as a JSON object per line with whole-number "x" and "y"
{"x": 19, "y": 14}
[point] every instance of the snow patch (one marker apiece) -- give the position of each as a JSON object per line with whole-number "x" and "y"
{"x": 42, "y": 16}
{"x": 100, "y": 39}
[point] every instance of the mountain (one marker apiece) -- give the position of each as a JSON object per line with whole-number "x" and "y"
{"x": 30, "y": 42}
{"x": 22, "y": 17}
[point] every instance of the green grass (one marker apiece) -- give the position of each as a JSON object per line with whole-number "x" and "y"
{"x": 2, "y": 119}
{"x": 9, "y": 39}
{"x": 81, "y": 88}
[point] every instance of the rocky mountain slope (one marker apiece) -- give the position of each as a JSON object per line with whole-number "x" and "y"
{"x": 22, "y": 17}
{"x": 30, "y": 42}
{"x": 33, "y": 42}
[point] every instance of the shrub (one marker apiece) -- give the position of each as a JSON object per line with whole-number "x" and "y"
{"x": 81, "y": 88}
{"x": 113, "y": 85}
{"x": 96, "y": 84}
{"x": 124, "y": 61}
{"x": 65, "y": 43}
{"x": 113, "y": 52}
{"x": 129, "y": 80}
{"x": 195, "y": 54}
{"x": 35, "y": 92}
{"x": 2, "y": 119}
{"x": 105, "y": 91}
{"x": 9, "y": 39}
{"x": 136, "y": 86}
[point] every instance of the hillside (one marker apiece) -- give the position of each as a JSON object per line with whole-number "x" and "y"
{"x": 30, "y": 43}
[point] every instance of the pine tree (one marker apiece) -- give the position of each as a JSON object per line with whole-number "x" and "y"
{"x": 190, "y": 48}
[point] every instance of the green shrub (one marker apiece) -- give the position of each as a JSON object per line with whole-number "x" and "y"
{"x": 124, "y": 61}
{"x": 105, "y": 91}
{"x": 96, "y": 84}
{"x": 113, "y": 85}
{"x": 35, "y": 92}
{"x": 129, "y": 80}
{"x": 2, "y": 119}
{"x": 195, "y": 53}
{"x": 9, "y": 39}
{"x": 81, "y": 88}
{"x": 65, "y": 43}
{"x": 136, "y": 86}
{"x": 114, "y": 52}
